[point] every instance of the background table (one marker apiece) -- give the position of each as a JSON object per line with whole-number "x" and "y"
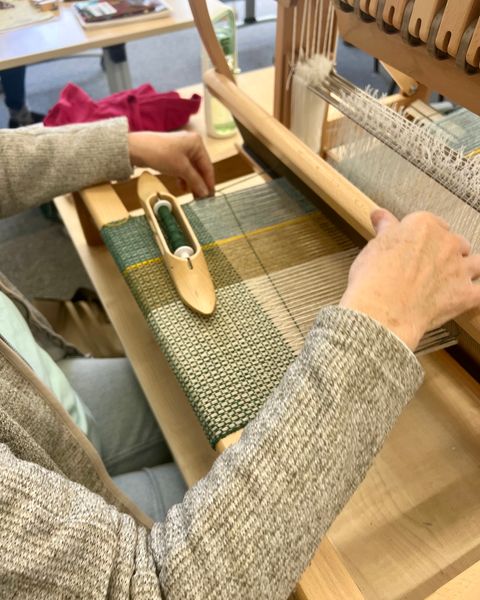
{"x": 64, "y": 36}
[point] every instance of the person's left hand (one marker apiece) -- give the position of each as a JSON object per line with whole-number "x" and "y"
{"x": 181, "y": 154}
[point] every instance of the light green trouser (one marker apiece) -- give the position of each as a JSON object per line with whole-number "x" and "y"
{"x": 126, "y": 433}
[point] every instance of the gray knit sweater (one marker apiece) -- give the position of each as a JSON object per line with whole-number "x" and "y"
{"x": 248, "y": 529}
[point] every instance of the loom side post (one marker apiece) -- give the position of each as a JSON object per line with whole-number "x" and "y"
{"x": 208, "y": 37}
{"x": 283, "y": 41}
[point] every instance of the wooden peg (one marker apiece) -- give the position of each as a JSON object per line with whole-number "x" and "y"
{"x": 423, "y": 13}
{"x": 408, "y": 86}
{"x": 369, "y": 7}
{"x": 473, "y": 52}
{"x": 393, "y": 12}
{"x": 190, "y": 276}
{"x": 456, "y": 19}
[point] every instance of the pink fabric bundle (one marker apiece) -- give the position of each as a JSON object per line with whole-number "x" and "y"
{"x": 145, "y": 109}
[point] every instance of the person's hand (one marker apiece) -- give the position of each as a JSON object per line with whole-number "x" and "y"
{"x": 414, "y": 276}
{"x": 180, "y": 154}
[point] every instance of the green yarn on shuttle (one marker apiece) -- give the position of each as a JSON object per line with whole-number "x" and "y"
{"x": 171, "y": 229}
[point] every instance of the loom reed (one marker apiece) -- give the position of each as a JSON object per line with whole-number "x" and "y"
{"x": 425, "y": 151}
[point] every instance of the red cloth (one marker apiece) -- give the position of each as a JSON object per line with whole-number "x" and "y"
{"x": 145, "y": 109}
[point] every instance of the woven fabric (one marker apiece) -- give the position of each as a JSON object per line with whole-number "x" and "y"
{"x": 269, "y": 252}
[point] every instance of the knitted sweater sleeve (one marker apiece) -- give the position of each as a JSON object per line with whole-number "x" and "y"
{"x": 39, "y": 163}
{"x": 250, "y": 527}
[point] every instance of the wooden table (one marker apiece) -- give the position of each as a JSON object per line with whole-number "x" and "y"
{"x": 413, "y": 526}
{"x": 64, "y": 36}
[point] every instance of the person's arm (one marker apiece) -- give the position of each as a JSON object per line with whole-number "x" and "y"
{"x": 250, "y": 527}
{"x": 40, "y": 163}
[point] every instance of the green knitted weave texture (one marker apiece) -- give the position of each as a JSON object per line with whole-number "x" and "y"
{"x": 227, "y": 363}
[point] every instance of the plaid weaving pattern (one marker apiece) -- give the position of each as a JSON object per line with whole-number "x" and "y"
{"x": 257, "y": 244}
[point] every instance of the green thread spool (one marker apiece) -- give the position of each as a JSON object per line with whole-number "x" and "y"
{"x": 176, "y": 240}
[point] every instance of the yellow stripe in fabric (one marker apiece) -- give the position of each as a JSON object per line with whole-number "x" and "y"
{"x": 473, "y": 153}
{"x": 142, "y": 264}
{"x": 231, "y": 239}
{"x": 240, "y": 236}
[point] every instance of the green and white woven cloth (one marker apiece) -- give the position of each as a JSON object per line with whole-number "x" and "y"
{"x": 275, "y": 260}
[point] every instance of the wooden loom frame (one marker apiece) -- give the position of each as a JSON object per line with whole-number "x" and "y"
{"x": 328, "y": 577}
{"x": 343, "y": 197}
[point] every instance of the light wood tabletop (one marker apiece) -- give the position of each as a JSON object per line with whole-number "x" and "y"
{"x": 63, "y": 36}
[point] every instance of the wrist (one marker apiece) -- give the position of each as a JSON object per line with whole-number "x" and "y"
{"x": 135, "y": 146}
{"x": 395, "y": 321}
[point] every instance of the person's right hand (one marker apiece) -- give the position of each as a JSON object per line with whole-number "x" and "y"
{"x": 413, "y": 276}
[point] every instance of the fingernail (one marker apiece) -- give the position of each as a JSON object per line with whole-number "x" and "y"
{"x": 204, "y": 191}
